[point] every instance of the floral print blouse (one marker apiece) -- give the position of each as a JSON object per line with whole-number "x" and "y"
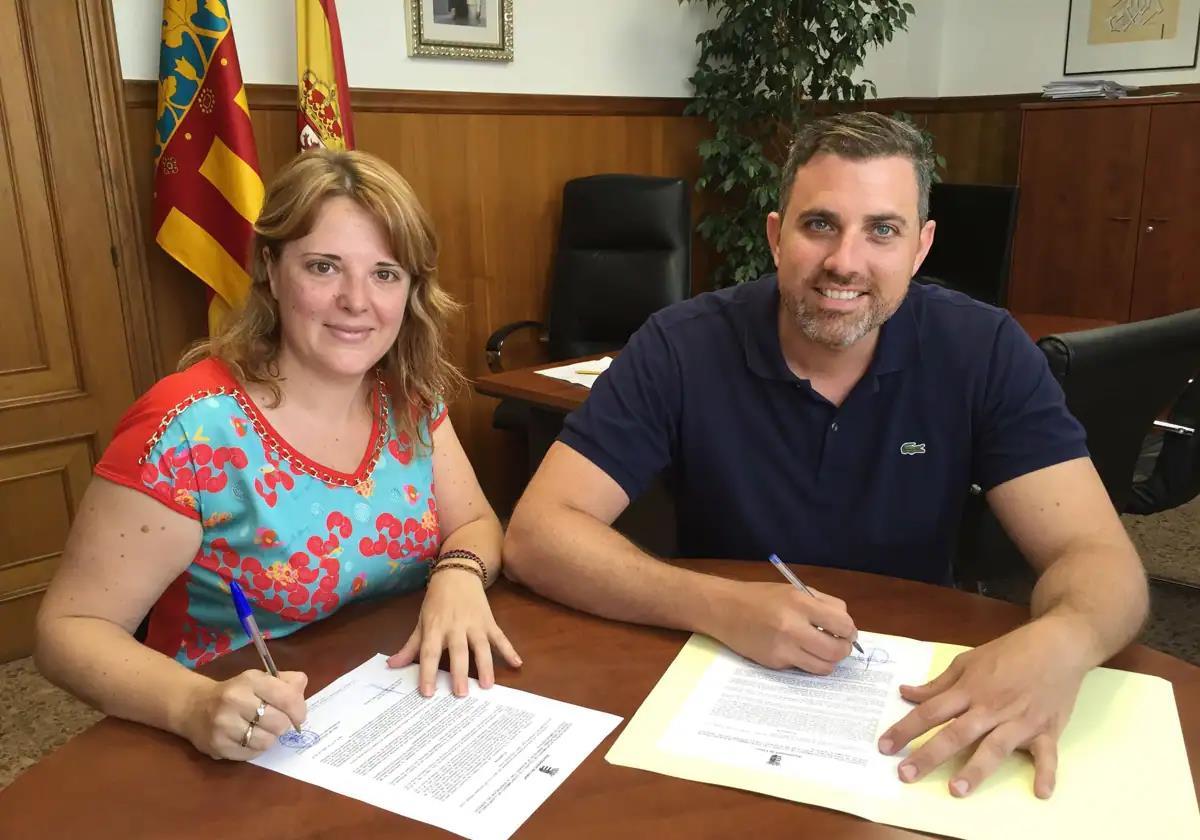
{"x": 300, "y": 539}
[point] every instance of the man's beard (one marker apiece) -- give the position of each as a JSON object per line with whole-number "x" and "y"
{"x": 838, "y": 330}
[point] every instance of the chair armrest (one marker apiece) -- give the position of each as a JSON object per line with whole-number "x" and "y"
{"x": 495, "y": 342}
{"x": 1174, "y": 428}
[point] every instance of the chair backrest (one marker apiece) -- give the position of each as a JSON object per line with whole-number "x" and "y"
{"x": 972, "y": 246}
{"x": 1118, "y": 380}
{"x": 624, "y": 252}
{"x": 1175, "y": 478}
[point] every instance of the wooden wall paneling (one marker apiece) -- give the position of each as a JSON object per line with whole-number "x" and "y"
{"x": 1081, "y": 191}
{"x": 1167, "y": 277}
{"x": 980, "y": 147}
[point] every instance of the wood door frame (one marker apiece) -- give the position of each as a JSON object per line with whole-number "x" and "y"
{"x": 124, "y": 221}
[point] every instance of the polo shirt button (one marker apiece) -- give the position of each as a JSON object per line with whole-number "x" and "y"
{"x": 834, "y": 426}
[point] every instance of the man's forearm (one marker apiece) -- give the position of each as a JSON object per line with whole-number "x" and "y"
{"x": 577, "y": 560}
{"x": 1102, "y": 590}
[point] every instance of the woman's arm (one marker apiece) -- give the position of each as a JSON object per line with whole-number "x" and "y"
{"x": 123, "y": 551}
{"x": 455, "y": 615}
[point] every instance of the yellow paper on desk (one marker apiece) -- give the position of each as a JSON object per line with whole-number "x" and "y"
{"x": 715, "y": 717}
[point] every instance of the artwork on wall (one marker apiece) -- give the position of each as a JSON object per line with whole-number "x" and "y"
{"x": 1109, "y": 36}
{"x": 472, "y": 29}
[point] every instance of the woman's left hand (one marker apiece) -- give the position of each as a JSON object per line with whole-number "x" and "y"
{"x": 455, "y": 616}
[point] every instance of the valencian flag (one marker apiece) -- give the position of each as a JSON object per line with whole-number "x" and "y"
{"x": 323, "y": 115}
{"x": 207, "y": 187}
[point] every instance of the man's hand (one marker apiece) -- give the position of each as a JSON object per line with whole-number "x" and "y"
{"x": 775, "y": 624}
{"x": 1015, "y": 692}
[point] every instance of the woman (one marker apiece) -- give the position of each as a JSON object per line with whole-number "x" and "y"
{"x": 297, "y": 453}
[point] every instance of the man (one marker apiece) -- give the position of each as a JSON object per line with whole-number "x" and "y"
{"x": 837, "y": 416}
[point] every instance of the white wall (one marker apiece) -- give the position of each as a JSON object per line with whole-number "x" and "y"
{"x": 639, "y": 48}
{"x": 1014, "y": 46}
{"x": 583, "y": 47}
{"x": 910, "y": 65}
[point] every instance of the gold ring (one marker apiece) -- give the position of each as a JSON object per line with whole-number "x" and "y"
{"x": 249, "y": 734}
{"x": 259, "y": 712}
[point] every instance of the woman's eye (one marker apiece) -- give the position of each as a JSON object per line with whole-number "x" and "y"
{"x": 387, "y": 275}
{"x": 321, "y": 267}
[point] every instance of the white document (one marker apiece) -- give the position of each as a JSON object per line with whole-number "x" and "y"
{"x": 477, "y": 766}
{"x": 796, "y": 724}
{"x": 580, "y": 373}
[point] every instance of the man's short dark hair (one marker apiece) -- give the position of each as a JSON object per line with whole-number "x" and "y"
{"x": 861, "y": 135}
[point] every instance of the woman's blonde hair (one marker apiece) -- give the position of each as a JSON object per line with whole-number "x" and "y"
{"x": 416, "y": 367}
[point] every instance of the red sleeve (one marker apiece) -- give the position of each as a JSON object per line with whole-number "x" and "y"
{"x": 437, "y": 415}
{"x": 144, "y": 454}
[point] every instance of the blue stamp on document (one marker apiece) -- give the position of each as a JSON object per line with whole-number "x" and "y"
{"x": 299, "y": 740}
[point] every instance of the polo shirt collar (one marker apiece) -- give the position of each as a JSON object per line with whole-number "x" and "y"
{"x": 898, "y": 347}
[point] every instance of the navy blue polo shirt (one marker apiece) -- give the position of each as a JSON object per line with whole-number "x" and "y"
{"x": 759, "y": 462}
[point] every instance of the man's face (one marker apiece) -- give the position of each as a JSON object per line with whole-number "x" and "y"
{"x": 849, "y": 244}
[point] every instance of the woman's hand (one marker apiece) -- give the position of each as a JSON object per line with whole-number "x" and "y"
{"x": 219, "y": 717}
{"x": 455, "y": 616}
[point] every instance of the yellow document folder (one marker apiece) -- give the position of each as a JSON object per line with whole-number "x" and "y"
{"x": 1122, "y": 769}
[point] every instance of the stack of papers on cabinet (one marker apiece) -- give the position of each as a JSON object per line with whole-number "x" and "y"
{"x": 1086, "y": 89}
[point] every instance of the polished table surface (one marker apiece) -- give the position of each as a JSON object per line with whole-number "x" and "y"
{"x": 125, "y": 780}
{"x": 545, "y": 392}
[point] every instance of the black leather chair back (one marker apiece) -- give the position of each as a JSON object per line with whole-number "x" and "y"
{"x": 1118, "y": 380}
{"x": 972, "y": 247}
{"x": 624, "y": 252}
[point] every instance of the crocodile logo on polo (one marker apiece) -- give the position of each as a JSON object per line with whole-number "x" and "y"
{"x": 912, "y": 448}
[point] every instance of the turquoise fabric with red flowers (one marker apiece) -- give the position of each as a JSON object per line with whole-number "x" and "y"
{"x": 301, "y": 540}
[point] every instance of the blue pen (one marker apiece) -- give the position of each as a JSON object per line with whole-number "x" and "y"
{"x": 246, "y": 616}
{"x": 787, "y": 573}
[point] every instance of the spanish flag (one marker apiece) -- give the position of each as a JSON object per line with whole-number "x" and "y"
{"x": 207, "y": 187}
{"x": 323, "y": 115}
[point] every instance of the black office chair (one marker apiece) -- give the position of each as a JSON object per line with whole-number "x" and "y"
{"x": 624, "y": 252}
{"x": 1117, "y": 380}
{"x": 1172, "y": 476}
{"x": 972, "y": 246}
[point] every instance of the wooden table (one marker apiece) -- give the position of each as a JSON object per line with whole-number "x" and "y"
{"x": 125, "y": 780}
{"x": 544, "y": 392}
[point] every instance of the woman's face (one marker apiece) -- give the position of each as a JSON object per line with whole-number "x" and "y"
{"x": 341, "y": 292}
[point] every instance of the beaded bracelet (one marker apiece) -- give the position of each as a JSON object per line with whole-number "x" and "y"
{"x": 464, "y": 554}
{"x": 433, "y": 570}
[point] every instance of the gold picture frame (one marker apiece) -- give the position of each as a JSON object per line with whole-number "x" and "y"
{"x": 480, "y": 30}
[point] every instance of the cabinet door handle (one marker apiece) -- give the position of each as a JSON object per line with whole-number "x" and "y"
{"x": 1157, "y": 219}
{"x": 1121, "y": 218}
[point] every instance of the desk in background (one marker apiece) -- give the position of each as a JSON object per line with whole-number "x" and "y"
{"x": 124, "y": 780}
{"x": 560, "y": 397}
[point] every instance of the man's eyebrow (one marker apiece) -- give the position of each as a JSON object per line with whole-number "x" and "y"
{"x": 892, "y": 218}
{"x": 823, "y": 212}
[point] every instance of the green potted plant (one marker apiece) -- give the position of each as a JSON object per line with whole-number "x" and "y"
{"x": 763, "y": 68}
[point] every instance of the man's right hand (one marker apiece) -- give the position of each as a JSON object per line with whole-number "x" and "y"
{"x": 776, "y": 624}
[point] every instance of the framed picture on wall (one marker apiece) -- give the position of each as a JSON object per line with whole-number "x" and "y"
{"x": 473, "y": 29}
{"x": 1110, "y": 36}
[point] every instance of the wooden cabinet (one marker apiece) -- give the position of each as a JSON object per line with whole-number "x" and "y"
{"x": 1108, "y": 224}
